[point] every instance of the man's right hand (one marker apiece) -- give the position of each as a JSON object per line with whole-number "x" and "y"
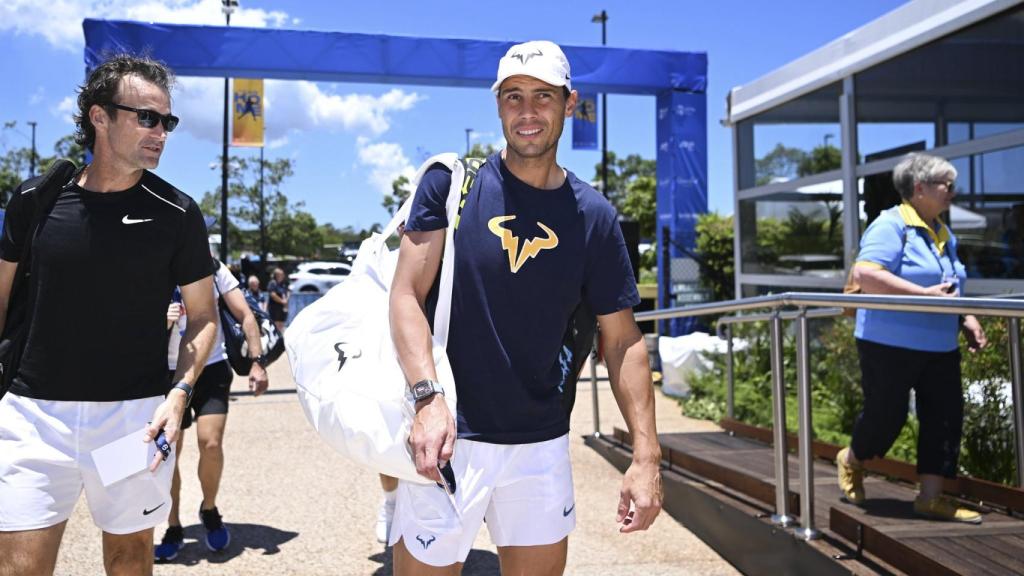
{"x": 174, "y": 311}
{"x": 432, "y": 437}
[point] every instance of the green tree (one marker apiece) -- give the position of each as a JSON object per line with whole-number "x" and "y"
{"x": 821, "y": 159}
{"x": 781, "y": 162}
{"x": 401, "y": 187}
{"x": 400, "y": 191}
{"x": 715, "y": 248}
{"x": 289, "y": 229}
{"x": 641, "y": 204}
{"x": 14, "y": 166}
{"x": 622, "y": 173}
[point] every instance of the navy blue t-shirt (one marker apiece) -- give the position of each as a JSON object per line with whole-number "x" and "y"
{"x": 524, "y": 259}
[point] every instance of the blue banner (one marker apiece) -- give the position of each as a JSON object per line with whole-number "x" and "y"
{"x": 682, "y": 197}
{"x": 584, "y": 123}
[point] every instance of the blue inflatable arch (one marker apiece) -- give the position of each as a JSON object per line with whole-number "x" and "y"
{"x": 677, "y": 79}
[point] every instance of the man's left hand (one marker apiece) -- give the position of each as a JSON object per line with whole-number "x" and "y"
{"x": 974, "y": 333}
{"x": 167, "y": 417}
{"x": 258, "y": 380}
{"x": 640, "y": 497}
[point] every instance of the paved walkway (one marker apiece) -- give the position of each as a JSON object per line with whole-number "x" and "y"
{"x": 295, "y": 507}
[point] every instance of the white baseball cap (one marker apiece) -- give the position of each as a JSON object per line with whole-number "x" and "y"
{"x": 540, "y": 59}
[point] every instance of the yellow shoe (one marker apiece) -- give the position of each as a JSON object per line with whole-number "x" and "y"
{"x": 943, "y": 508}
{"x": 851, "y": 479}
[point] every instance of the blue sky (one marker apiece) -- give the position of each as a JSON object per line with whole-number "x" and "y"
{"x": 349, "y": 141}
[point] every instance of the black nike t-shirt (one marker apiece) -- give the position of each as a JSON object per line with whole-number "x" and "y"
{"x": 103, "y": 269}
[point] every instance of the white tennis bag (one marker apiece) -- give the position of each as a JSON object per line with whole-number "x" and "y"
{"x": 346, "y": 371}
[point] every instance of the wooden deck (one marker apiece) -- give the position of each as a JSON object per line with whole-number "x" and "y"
{"x": 885, "y": 527}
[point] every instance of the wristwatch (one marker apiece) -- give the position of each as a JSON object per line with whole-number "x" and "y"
{"x": 425, "y": 389}
{"x": 186, "y": 388}
{"x": 261, "y": 360}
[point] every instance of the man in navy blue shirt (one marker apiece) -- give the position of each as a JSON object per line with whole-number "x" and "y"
{"x": 533, "y": 242}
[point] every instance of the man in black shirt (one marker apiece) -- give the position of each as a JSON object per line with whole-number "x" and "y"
{"x": 93, "y": 369}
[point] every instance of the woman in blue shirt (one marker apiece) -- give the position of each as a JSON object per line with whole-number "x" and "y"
{"x": 909, "y": 250}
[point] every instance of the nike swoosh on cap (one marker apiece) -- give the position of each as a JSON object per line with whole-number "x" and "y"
{"x": 127, "y": 220}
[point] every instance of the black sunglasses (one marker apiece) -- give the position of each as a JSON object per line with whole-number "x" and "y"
{"x": 149, "y": 118}
{"x": 949, "y": 184}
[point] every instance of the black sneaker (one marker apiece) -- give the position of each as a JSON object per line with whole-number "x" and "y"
{"x": 217, "y": 535}
{"x": 167, "y": 550}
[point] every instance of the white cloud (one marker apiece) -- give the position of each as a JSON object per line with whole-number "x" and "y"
{"x": 38, "y": 96}
{"x": 291, "y": 106}
{"x": 277, "y": 143}
{"x": 65, "y": 109}
{"x": 386, "y": 162}
{"x": 59, "y": 22}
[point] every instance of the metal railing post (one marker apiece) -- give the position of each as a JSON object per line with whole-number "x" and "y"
{"x": 781, "y": 516}
{"x": 1013, "y": 335}
{"x": 593, "y": 388}
{"x": 730, "y": 378}
{"x": 806, "y": 430}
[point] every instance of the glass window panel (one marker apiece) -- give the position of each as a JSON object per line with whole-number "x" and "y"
{"x": 988, "y": 214}
{"x": 877, "y": 140}
{"x": 966, "y": 85}
{"x": 794, "y": 233}
{"x": 798, "y": 138}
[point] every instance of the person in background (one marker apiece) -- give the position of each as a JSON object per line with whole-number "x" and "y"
{"x": 909, "y": 250}
{"x": 277, "y": 302}
{"x": 386, "y": 512}
{"x": 252, "y": 290}
{"x": 209, "y": 410}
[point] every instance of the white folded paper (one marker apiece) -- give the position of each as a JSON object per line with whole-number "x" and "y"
{"x": 123, "y": 457}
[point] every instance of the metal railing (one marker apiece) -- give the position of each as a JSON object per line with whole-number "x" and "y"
{"x": 824, "y": 305}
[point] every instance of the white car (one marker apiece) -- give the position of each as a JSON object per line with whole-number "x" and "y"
{"x": 318, "y": 276}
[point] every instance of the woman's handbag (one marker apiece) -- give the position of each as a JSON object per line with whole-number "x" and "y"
{"x": 346, "y": 371}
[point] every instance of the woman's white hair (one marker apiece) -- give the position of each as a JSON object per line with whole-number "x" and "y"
{"x": 917, "y": 167}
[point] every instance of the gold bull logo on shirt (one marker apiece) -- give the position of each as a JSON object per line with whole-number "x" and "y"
{"x": 510, "y": 242}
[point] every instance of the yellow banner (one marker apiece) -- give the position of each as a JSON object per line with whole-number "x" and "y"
{"x": 247, "y": 128}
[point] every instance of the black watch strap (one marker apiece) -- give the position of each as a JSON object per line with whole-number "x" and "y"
{"x": 186, "y": 388}
{"x": 261, "y": 360}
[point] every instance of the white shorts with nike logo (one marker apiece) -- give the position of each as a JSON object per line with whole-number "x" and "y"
{"x": 46, "y": 461}
{"x": 523, "y": 491}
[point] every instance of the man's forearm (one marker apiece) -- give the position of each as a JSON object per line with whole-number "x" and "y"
{"x": 251, "y": 329}
{"x": 411, "y": 335}
{"x": 630, "y": 377}
{"x": 196, "y": 344}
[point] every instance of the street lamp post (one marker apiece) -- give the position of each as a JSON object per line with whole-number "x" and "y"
{"x": 468, "y": 132}
{"x": 603, "y": 19}
{"x": 32, "y": 160}
{"x": 227, "y": 6}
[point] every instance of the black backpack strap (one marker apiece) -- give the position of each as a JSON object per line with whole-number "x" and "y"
{"x": 43, "y": 196}
{"x": 470, "y": 167}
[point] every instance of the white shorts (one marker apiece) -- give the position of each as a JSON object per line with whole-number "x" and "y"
{"x": 46, "y": 460}
{"x": 523, "y": 491}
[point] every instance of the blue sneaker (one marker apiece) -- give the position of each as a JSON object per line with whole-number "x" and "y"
{"x": 217, "y": 535}
{"x": 167, "y": 550}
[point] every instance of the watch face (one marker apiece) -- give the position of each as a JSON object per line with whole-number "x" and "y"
{"x": 422, "y": 389}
